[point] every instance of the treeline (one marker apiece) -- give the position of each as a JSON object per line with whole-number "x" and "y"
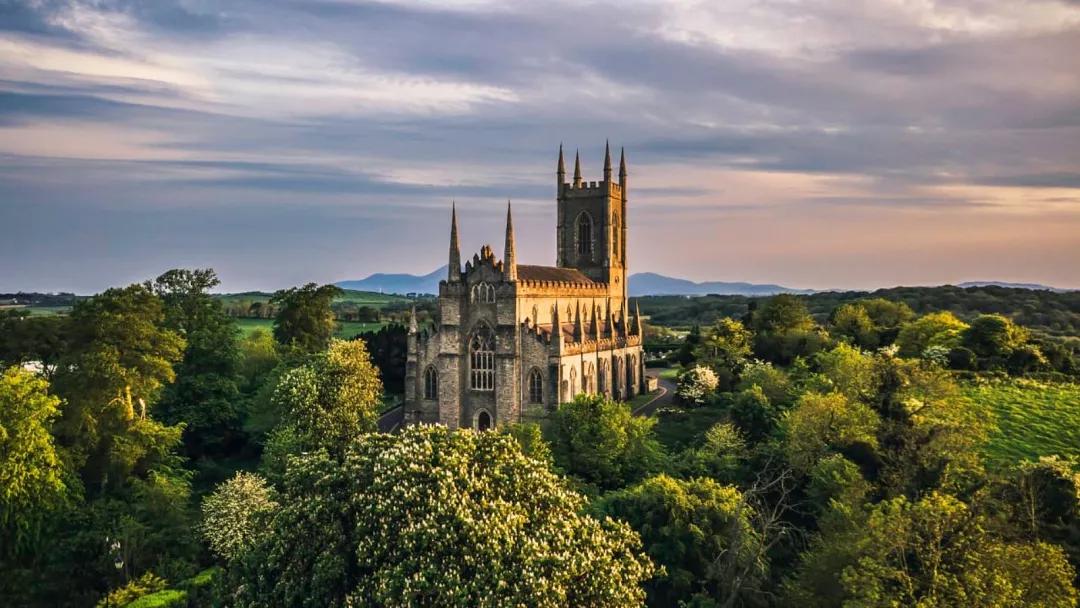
{"x": 117, "y": 417}
{"x": 1053, "y": 313}
{"x": 38, "y": 299}
{"x": 258, "y": 305}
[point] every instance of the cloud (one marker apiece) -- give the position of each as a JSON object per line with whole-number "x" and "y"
{"x": 750, "y": 110}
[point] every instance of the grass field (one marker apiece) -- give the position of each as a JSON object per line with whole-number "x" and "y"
{"x": 360, "y": 298}
{"x": 1033, "y": 419}
{"x": 345, "y": 329}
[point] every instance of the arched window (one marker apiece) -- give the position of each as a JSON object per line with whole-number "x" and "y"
{"x": 584, "y": 234}
{"x": 482, "y": 360}
{"x": 602, "y": 370}
{"x": 431, "y": 383}
{"x": 536, "y": 386}
{"x": 483, "y": 421}
{"x": 573, "y": 382}
{"x": 484, "y": 293}
{"x": 615, "y": 235}
{"x": 588, "y": 378}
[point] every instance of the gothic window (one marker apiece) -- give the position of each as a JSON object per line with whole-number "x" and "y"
{"x": 603, "y": 376}
{"x": 588, "y": 379}
{"x": 484, "y": 293}
{"x": 431, "y": 383}
{"x": 536, "y": 386}
{"x": 482, "y": 360}
{"x": 615, "y": 234}
{"x": 573, "y": 382}
{"x": 584, "y": 234}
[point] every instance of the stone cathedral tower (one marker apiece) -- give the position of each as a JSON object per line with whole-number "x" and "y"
{"x": 512, "y": 341}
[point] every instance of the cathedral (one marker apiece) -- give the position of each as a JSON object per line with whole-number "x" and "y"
{"x": 511, "y": 341}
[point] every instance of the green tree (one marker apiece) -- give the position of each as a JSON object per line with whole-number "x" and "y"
{"x": 934, "y": 552}
{"x": 784, "y": 330}
{"x": 849, "y": 371}
{"x": 851, "y": 323}
{"x": 887, "y": 316}
{"x": 119, "y": 358}
{"x": 205, "y": 395}
{"x": 32, "y": 473}
{"x": 530, "y": 437}
{"x": 993, "y": 338}
{"x": 935, "y": 329}
{"x": 725, "y": 348}
{"x": 325, "y": 403}
{"x": 433, "y": 517}
{"x": 753, "y": 413}
{"x": 599, "y": 441}
{"x": 699, "y": 531}
{"x": 720, "y": 456}
{"x": 28, "y": 339}
{"x": 688, "y": 349}
{"x": 820, "y": 424}
{"x": 304, "y": 321}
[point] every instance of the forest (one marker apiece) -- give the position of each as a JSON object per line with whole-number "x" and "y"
{"x": 909, "y": 447}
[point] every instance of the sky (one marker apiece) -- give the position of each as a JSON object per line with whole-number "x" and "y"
{"x": 810, "y": 143}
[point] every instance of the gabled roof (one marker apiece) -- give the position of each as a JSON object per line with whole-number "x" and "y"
{"x": 551, "y": 273}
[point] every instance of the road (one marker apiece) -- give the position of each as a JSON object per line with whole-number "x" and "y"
{"x": 391, "y": 420}
{"x": 664, "y": 398}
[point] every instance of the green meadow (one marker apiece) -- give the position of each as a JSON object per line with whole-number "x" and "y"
{"x": 343, "y": 329}
{"x": 1033, "y": 418}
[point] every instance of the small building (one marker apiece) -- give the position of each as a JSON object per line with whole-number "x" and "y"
{"x": 511, "y": 341}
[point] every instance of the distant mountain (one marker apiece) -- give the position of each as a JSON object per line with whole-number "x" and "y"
{"x": 398, "y": 283}
{"x": 641, "y": 284}
{"x": 652, "y": 284}
{"x": 1035, "y": 286}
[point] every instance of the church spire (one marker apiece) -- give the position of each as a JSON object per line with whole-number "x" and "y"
{"x": 622, "y": 167}
{"x": 412, "y": 321}
{"x": 560, "y": 173}
{"x": 579, "y": 327}
{"x": 509, "y": 258}
{"x": 607, "y": 161}
{"x": 577, "y": 169}
{"x": 454, "y": 270}
{"x": 637, "y": 319}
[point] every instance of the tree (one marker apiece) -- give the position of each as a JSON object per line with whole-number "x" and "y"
{"x": 993, "y": 338}
{"x": 236, "y": 513}
{"x": 887, "y": 316}
{"x": 935, "y": 329}
{"x": 696, "y": 385}
{"x": 119, "y": 358}
{"x": 32, "y": 473}
{"x": 819, "y": 424}
{"x": 388, "y": 352}
{"x": 688, "y": 349}
{"x": 690, "y": 528}
{"x": 599, "y": 441}
{"x": 304, "y": 321}
{"x": 530, "y": 438}
{"x": 754, "y": 414}
{"x": 849, "y": 371}
{"x": 784, "y": 330}
{"x": 205, "y": 395}
{"x": 329, "y": 401}
{"x": 434, "y": 517}
{"x": 725, "y": 349}
{"x": 720, "y": 456}
{"x": 851, "y": 323}
{"x": 934, "y": 552}
{"x": 32, "y": 339}
{"x": 773, "y": 382}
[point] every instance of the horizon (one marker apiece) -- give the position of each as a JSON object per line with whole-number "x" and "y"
{"x": 283, "y": 143}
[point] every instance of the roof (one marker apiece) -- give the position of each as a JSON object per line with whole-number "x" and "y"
{"x": 551, "y": 273}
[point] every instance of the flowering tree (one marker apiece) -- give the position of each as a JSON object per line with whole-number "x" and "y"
{"x": 235, "y": 514}
{"x": 434, "y": 517}
{"x": 696, "y": 384}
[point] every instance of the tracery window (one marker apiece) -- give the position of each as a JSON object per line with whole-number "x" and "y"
{"x": 482, "y": 360}
{"x": 484, "y": 293}
{"x": 584, "y": 234}
{"x": 431, "y": 383}
{"x": 536, "y": 386}
{"x": 573, "y": 382}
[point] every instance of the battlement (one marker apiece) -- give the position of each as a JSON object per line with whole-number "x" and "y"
{"x": 590, "y": 189}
